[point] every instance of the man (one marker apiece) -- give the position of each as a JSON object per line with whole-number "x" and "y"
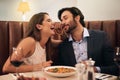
{"x": 83, "y": 44}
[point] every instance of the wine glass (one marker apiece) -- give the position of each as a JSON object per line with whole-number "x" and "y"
{"x": 16, "y": 58}
{"x": 43, "y": 60}
{"x": 117, "y": 60}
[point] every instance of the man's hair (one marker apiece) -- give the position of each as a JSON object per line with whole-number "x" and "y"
{"x": 75, "y": 12}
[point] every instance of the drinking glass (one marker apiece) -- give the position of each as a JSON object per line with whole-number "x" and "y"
{"x": 117, "y": 60}
{"x": 16, "y": 58}
{"x": 80, "y": 70}
{"x": 43, "y": 60}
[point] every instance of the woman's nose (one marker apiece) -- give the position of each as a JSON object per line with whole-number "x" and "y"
{"x": 53, "y": 23}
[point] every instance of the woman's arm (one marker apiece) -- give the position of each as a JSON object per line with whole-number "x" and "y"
{"x": 27, "y": 45}
{"x": 25, "y": 68}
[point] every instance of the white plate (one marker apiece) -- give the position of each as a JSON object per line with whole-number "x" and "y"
{"x": 60, "y": 74}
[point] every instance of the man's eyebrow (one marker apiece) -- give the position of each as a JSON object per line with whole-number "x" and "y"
{"x": 64, "y": 16}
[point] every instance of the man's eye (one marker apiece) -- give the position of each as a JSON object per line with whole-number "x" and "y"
{"x": 65, "y": 18}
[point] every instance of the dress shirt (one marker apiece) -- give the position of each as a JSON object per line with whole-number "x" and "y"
{"x": 80, "y": 47}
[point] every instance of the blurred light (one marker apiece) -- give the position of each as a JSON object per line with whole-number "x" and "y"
{"x": 23, "y": 7}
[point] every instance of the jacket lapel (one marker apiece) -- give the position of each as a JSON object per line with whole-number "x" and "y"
{"x": 90, "y": 42}
{"x": 70, "y": 53}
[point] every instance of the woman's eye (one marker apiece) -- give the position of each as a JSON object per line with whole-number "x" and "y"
{"x": 49, "y": 20}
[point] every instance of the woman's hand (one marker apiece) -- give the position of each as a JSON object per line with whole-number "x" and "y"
{"x": 47, "y": 63}
{"x": 56, "y": 41}
{"x": 40, "y": 66}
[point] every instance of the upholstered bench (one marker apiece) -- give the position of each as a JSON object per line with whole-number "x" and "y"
{"x": 11, "y": 32}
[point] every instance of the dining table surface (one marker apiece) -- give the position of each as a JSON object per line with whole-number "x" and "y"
{"x": 42, "y": 74}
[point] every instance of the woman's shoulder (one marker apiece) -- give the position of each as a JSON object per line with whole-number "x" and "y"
{"x": 28, "y": 44}
{"x": 29, "y": 41}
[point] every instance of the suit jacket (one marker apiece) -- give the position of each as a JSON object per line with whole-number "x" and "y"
{"x": 99, "y": 49}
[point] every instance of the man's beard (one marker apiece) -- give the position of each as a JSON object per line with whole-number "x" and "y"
{"x": 72, "y": 26}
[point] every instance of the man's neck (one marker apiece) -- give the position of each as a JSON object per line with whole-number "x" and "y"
{"x": 77, "y": 35}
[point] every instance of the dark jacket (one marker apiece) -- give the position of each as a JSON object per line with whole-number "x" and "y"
{"x": 99, "y": 49}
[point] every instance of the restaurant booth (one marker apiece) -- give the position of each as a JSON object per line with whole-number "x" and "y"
{"x": 11, "y": 32}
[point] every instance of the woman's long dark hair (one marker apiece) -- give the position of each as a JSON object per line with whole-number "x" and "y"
{"x": 32, "y": 30}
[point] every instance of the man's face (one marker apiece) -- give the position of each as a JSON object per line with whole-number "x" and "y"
{"x": 68, "y": 21}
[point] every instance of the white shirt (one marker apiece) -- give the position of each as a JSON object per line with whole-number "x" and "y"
{"x": 80, "y": 47}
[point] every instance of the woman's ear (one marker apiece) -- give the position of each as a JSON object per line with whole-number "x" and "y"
{"x": 38, "y": 26}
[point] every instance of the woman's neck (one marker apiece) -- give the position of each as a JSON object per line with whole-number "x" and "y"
{"x": 43, "y": 42}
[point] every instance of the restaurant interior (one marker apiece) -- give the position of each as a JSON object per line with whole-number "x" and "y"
{"x": 99, "y": 15}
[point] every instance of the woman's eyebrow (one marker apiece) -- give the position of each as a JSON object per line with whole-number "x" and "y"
{"x": 49, "y": 19}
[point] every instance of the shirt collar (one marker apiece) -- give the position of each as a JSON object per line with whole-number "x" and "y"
{"x": 85, "y": 34}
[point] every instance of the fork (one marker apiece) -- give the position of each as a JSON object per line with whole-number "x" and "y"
{"x": 107, "y": 76}
{"x": 102, "y": 76}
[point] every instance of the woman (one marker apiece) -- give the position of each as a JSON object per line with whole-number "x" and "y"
{"x": 34, "y": 46}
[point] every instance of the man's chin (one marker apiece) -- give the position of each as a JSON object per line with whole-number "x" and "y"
{"x": 53, "y": 33}
{"x": 70, "y": 30}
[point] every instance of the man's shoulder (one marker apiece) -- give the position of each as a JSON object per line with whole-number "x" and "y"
{"x": 96, "y": 32}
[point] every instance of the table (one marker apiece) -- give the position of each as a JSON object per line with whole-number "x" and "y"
{"x": 10, "y": 76}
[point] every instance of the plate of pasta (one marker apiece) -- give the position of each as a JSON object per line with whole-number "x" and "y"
{"x": 60, "y": 71}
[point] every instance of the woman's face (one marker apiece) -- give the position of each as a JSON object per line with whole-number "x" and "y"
{"x": 47, "y": 26}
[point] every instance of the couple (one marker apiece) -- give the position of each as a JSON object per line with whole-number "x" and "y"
{"x": 79, "y": 45}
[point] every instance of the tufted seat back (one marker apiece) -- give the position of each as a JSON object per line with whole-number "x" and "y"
{"x": 111, "y": 27}
{"x": 11, "y": 32}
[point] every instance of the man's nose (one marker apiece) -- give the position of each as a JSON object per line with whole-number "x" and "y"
{"x": 62, "y": 22}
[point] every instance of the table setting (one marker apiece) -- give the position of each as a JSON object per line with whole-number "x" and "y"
{"x": 54, "y": 73}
